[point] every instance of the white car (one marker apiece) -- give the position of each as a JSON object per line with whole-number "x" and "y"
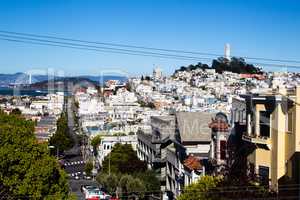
{"x": 96, "y": 193}
{"x": 85, "y": 188}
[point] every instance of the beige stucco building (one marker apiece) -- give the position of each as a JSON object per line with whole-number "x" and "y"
{"x": 273, "y": 129}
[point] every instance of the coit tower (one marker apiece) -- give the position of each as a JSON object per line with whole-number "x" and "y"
{"x": 227, "y": 51}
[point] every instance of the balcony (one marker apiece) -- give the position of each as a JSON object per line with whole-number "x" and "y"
{"x": 257, "y": 139}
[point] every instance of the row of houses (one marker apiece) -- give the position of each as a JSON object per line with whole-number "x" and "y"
{"x": 264, "y": 128}
{"x": 180, "y": 147}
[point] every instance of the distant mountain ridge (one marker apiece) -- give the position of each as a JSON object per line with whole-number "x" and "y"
{"x": 23, "y": 79}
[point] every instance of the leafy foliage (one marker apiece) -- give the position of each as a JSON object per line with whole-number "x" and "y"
{"x": 216, "y": 188}
{"x": 95, "y": 142}
{"x": 136, "y": 187}
{"x": 125, "y": 185}
{"x": 62, "y": 138}
{"x": 150, "y": 180}
{"x": 133, "y": 178}
{"x": 88, "y": 168}
{"x": 110, "y": 182}
{"x": 16, "y": 111}
{"x": 123, "y": 159}
{"x": 236, "y": 65}
{"x": 27, "y": 170}
{"x": 200, "y": 189}
{"x": 193, "y": 67}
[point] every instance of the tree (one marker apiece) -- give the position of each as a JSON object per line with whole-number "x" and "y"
{"x": 27, "y": 169}
{"x": 236, "y": 65}
{"x": 110, "y": 182}
{"x": 88, "y": 168}
{"x": 62, "y": 138}
{"x": 123, "y": 184}
{"x": 135, "y": 187}
{"x": 16, "y": 111}
{"x": 149, "y": 179}
{"x": 123, "y": 159}
{"x": 200, "y": 189}
{"x": 216, "y": 188}
{"x": 95, "y": 142}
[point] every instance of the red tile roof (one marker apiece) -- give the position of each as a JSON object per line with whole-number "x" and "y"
{"x": 192, "y": 163}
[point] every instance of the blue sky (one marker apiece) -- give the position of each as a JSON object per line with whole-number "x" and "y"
{"x": 256, "y": 28}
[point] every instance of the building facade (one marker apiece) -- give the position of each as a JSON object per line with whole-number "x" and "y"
{"x": 273, "y": 131}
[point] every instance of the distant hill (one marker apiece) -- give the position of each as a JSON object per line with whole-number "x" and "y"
{"x": 61, "y": 83}
{"x": 19, "y": 78}
{"x": 236, "y": 65}
{"x": 40, "y": 80}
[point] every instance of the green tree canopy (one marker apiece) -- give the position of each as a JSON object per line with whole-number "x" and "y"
{"x": 110, "y": 182}
{"x": 16, "y": 111}
{"x": 150, "y": 180}
{"x": 123, "y": 159}
{"x": 88, "y": 168}
{"x": 62, "y": 138}
{"x": 136, "y": 187}
{"x": 235, "y": 64}
{"x": 27, "y": 169}
{"x": 216, "y": 188}
{"x": 95, "y": 142}
{"x": 200, "y": 189}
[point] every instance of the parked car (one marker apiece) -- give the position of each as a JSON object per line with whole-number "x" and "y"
{"x": 93, "y": 192}
{"x": 87, "y": 177}
{"x": 85, "y": 188}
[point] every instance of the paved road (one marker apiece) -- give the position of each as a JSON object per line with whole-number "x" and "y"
{"x": 75, "y": 150}
{"x": 73, "y": 161}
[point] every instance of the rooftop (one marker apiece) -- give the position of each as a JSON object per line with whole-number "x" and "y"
{"x": 193, "y": 126}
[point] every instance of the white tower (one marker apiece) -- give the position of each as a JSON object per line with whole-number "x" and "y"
{"x": 227, "y": 51}
{"x": 157, "y": 73}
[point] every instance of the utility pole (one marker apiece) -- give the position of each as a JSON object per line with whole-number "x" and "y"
{"x": 57, "y": 152}
{"x": 109, "y": 164}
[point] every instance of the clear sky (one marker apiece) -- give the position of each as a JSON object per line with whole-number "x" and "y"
{"x": 257, "y": 28}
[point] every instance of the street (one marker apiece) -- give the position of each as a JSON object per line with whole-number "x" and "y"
{"x": 73, "y": 160}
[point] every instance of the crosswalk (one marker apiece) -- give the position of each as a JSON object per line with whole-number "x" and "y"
{"x": 74, "y": 163}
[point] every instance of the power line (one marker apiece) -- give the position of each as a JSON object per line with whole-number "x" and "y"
{"x": 119, "y": 51}
{"x": 148, "y": 48}
{"x": 106, "y": 48}
{"x": 90, "y": 49}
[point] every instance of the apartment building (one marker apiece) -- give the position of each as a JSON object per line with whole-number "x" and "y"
{"x": 273, "y": 132}
{"x": 108, "y": 142}
{"x": 171, "y": 143}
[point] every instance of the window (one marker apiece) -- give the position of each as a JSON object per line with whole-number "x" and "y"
{"x": 289, "y": 121}
{"x": 264, "y": 123}
{"x": 263, "y": 173}
{"x": 223, "y": 149}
